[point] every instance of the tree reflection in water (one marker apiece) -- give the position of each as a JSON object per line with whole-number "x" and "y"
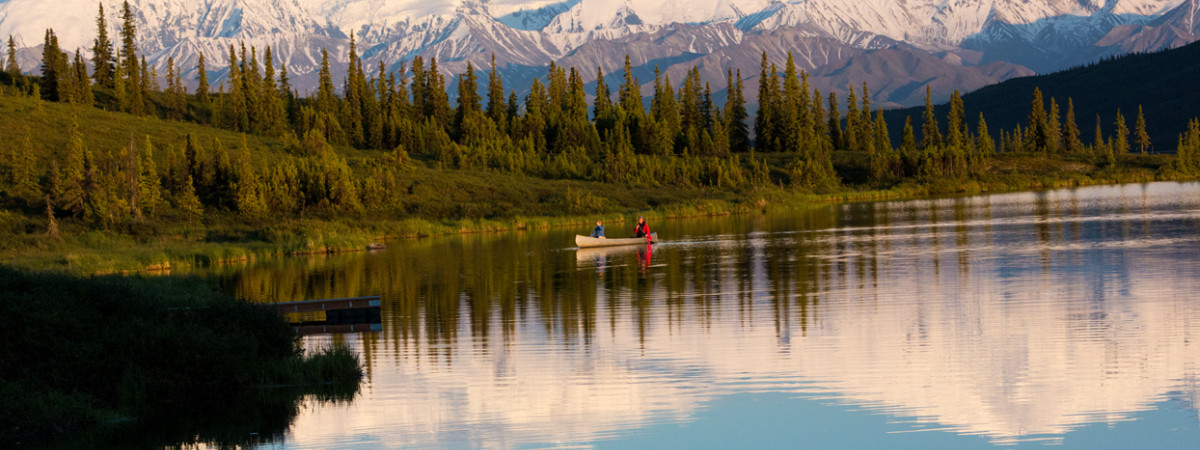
{"x": 1011, "y": 316}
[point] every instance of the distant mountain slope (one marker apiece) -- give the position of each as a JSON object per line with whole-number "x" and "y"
{"x": 1164, "y": 83}
{"x": 977, "y": 41}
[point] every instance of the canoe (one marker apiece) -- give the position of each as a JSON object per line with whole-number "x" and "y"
{"x": 590, "y": 242}
{"x": 593, "y": 254}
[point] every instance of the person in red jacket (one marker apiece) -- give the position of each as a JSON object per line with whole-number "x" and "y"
{"x": 643, "y": 228}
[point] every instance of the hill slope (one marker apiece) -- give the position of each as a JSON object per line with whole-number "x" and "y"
{"x": 1163, "y": 83}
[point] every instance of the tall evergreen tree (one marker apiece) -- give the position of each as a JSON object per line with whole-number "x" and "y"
{"x": 24, "y": 171}
{"x": 1053, "y": 129}
{"x": 865, "y": 131}
{"x": 54, "y": 69}
{"x": 11, "y": 65}
{"x": 495, "y": 106}
{"x": 835, "y": 123}
{"x": 763, "y": 120}
{"x": 736, "y": 114}
{"x": 248, "y": 189}
{"x": 931, "y": 135}
{"x": 134, "y": 85}
{"x": 75, "y": 188}
{"x": 603, "y": 101}
{"x": 983, "y": 139}
{"x": 176, "y": 102}
{"x": 631, "y": 93}
{"x": 188, "y": 202}
{"x": 908, "y": 140}
{"x": 1071, "y": 141}
{"x": 104, "y": 70}
{"x": 1140, "y": 134}
{"x": 1098, "y": 144}
{"x": 1121, "y": 135}
{"x": 149, "y": 183}
{"x": 788, "y": 114}
{"x": 202, "y": 87}
{"x": 83, "y": 86}
{"x": 1037, "y": 134}
{"x": 468, "y": 91}
{"x": 956, "y": 122}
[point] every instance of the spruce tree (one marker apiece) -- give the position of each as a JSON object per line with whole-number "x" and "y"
{"x": 438, "y": 106}
{"x": 1187, "y": 153}
{"x": 175, "y": 103}
{"x": 956, "y": 122}
{"x": 850, "y": 137}
{"x": 866, "y": 127}
{"x": 149, "y": 183}
{"x": 765, "y": 116}
{"x": 1053, "y": 129}
{"x": 202, "y": 87}
{"x": 73, "y": 188}
{"x": 631, "y": 93}
{"x": 819, "y": 121}
{"x": 880, "y": 150}
{"x": 1143, "y": 138}
{"x": 835, "y": 123}
{"x": 495, "y": 106}
{"x": 134, "y": 86}
{"x": 52, "y": 69}
{"x": 468, "y": 92}
{"x": 326, "y": 99}
{"x": 248, "y": 189}
{"x": 24, "y": 172}
{"x": 11, "y": 65}
{"x": 736, "y": 114}
{"x": 983, "y": 139}
{"x": 1121, "y": 142}
{"x": 188, "y": 202}
{"x": 83, "y": 85}
{"x": 603, "y": 101}
{"x": 908, "y": 139}
{"x": 104, "y": 71}
{"x": 788, "y": 114}
{"x": 931, "y": 135}
{"x": 1071, "y": 141}
{"x": 1037, "y": 133}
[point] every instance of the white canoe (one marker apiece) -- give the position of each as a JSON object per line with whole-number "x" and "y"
{"x": 590, "y": 242}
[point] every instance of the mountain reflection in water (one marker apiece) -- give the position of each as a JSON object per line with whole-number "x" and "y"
{"x": 1017, "y": 317}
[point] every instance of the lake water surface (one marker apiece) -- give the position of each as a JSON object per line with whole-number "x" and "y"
{"x": 1068, "y": 317}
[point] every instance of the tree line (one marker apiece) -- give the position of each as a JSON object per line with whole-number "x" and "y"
{"x": 684, "y": 138}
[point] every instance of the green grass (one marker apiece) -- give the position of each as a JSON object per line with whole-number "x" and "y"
{"x": 96, "y": 353}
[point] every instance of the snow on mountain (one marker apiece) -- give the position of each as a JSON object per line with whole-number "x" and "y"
{"x": 534, "y": 19}
{"x": 527, "y": 34}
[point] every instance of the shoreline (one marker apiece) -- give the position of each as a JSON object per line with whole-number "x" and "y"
{"x": 333, "y": 237}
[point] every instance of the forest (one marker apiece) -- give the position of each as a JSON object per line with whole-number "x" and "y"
{"x": 372, "y": 146}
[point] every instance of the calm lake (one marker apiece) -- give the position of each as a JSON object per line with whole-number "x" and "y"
{"x": 1069, "y": 317}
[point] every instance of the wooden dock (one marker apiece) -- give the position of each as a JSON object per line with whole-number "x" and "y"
{"x": 339, "y": 315}
{"x": 373, "y": 301}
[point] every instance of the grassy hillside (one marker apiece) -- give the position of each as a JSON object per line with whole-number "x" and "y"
{"x": 417, "y": 198}
{"x": 434, "y": 200}
{"x": 1162, "y": 82}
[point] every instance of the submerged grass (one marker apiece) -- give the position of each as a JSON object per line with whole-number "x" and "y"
{"x": 88, "y": 353}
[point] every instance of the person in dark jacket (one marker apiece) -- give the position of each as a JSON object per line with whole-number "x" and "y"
{"x": 598, "y": 232}
{"x": 643, "y": 228}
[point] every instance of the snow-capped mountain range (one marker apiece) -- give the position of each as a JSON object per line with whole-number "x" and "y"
{"x": 895, "y": 45}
